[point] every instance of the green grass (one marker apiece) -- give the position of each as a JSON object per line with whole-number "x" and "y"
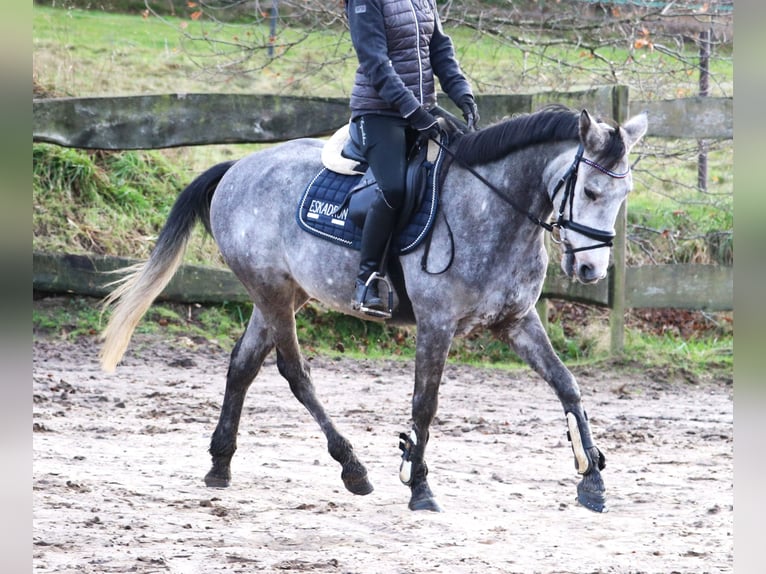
{"x": 83, "y": 53}
{"x": 670, "y": 356}
{"x": 93, "y": 53}
{"x": 668, "y": 211}
{"x": 75, "y": 317}
{"x": 104, "y": 203}
{"x": 691, "y": 359}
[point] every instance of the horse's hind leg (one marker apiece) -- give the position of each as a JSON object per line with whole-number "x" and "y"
{"x": 246, "y": 360}
{"x": 293, "y": 367}
{"x": 531, "y": 343}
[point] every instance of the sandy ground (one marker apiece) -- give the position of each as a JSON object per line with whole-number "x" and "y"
{"x": 119, "y": 461}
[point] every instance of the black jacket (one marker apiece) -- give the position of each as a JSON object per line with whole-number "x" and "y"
{"x": 401, "y": 46}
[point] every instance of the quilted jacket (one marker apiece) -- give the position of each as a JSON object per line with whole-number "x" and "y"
{"x": 401, "y": 46}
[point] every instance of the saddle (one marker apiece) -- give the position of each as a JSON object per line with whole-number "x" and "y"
{"x": 335, "y": 203}
{"x": 420, "y": 160}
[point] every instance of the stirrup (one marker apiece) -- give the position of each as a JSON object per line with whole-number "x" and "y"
{"x": 380, "y": 313}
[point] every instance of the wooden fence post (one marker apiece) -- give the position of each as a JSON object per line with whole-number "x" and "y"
{"x": 619, "y": 250}
{"x": 617, "y": 284}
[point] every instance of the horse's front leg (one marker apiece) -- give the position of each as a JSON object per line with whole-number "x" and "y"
{"x": 531, "y": 342}
{"x": 430, "y": 357}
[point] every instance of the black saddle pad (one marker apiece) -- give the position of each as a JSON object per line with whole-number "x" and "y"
{"x": 327, "y": 191}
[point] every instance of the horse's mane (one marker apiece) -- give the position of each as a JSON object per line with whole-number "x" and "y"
{"x": 552, "y": 123}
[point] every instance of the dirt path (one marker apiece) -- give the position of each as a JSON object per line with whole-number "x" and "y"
{"x": 119, "y": 461}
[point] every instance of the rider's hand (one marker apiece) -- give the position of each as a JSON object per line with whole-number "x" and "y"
{"x": 470, "y": 111}
{"x": 422, "y": 120}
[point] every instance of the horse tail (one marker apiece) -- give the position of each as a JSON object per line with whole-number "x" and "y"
{"x": 142, "y": 283}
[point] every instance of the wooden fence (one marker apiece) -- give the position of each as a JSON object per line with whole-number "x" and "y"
{"x": 691, "y": 286}
{"x": 172, "y": 120}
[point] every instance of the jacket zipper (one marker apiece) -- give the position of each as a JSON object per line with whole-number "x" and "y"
{"x": 417, "y": 48}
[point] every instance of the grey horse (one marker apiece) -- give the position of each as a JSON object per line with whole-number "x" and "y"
{"x": 508, "y": 184}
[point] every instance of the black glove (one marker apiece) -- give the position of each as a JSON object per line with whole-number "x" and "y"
{"x": 422, "y": 120}
{"x": 470, "y": 112}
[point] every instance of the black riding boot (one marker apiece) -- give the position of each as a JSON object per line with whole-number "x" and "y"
{"x": 377, "y": 229}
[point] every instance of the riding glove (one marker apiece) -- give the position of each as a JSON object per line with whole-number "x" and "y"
{"x": 470, "y": 111}
{"x": 422, "y": 120}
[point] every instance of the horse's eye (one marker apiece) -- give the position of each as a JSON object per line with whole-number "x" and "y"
{"x": 590, "y": 194}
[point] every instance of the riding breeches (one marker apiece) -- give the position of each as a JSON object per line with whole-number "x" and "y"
{"x": 384, "y": 142}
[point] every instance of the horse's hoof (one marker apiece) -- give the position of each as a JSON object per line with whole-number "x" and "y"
{"x": 357, "y": 484}
{"x": 423, "y": 499}
{"x": 594, "y": 500}
{"x": 425, "y": 504}
{"x": 217, "y": 481}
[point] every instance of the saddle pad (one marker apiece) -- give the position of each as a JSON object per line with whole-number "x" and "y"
{"x": 318, "y": 204}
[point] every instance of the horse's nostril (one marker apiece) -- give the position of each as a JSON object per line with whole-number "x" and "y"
{"x": 586, "y": 272}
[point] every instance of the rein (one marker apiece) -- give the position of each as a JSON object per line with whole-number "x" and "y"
{"x": 568, "y": 181}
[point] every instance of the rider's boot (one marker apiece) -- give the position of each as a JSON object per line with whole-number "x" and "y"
{"x": 378, "y": 226}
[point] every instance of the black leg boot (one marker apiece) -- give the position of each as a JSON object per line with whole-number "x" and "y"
{"x": 378, "y": 226}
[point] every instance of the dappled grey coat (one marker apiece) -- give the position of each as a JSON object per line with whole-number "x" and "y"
{"x": 401, "y": 45}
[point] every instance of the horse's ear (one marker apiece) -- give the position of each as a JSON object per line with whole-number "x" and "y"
{"x": 592, "y": 134}
{"x": 635, "y": 128}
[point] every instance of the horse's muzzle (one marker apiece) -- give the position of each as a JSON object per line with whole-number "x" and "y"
{"x": 587, "y": 273}
{"x": 583, "y": 272}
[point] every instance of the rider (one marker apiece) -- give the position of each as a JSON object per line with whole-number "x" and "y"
{"x": 401, "y": 48}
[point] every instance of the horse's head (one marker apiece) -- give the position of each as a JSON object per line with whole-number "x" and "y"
{"x": 599, "y": 181}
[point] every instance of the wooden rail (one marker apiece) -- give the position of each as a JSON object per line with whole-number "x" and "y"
{"x": 172, "y": 120}
{"x": 690, "y": 286}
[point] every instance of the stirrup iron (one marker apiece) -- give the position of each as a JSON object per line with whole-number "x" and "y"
{"x": 381, "y": 313}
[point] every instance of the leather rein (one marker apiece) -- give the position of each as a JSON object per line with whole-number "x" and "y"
{"x": 568, "y": 182}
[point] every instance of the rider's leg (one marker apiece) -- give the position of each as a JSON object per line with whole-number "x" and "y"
{"x": 378, "y": 226}
{"x": 384, "y": 144}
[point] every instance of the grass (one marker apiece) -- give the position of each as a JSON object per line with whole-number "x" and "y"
{"x": 105, "y": 203}
{"x": 92, "y": 53}
{"x": 706, "y": 355}
{"x": 85, "y": 53}
{"x": 115, "y": 203}
{"x": 670, "y": 219}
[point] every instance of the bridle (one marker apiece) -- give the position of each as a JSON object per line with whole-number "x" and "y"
{"x": 568, "y": 182}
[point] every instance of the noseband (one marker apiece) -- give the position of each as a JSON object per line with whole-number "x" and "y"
{"x": 568, "y": 181}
